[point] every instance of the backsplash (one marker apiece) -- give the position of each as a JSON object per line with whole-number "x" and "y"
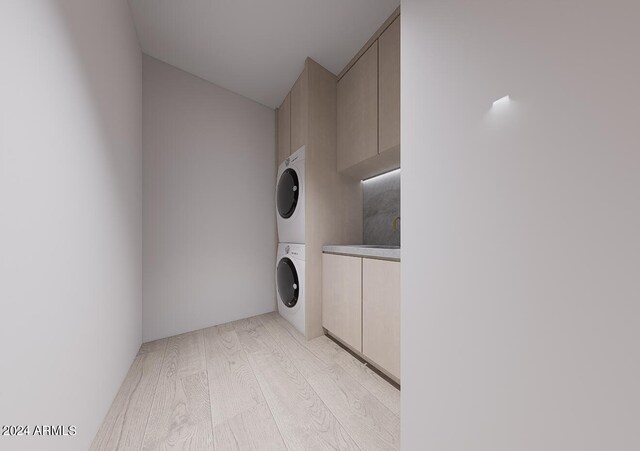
{"x": 381, "y": 205}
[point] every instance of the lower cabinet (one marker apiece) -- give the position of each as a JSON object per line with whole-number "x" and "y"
{"x": 381, "y": 313}
{"x": 361, "y": 307}
{"x": 342, "y": 298}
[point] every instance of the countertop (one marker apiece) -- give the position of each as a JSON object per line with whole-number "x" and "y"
{"x": 366, "y": 251}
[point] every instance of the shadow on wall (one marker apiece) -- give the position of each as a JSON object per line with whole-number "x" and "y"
{"x": 381, "y": 200}
{"x": 71, "y": 251}
{"x": 115, "y": 102}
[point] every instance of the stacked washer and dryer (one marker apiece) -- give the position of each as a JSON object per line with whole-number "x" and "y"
{"x": 290, "y": 206}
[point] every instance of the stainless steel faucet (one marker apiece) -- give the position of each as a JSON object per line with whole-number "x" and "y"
{"x": 395, "y": 222}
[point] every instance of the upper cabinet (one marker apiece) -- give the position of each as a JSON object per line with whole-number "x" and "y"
{"x": 358, "y": 111}
{"x": 389, "y": 88}
{"x": 369, "y": 106}
{"x": 284, "y": 129}
{"x": 299, "y": 101}
{"x": 293, "y": 117}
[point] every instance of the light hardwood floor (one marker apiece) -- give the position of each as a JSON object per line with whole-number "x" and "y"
{"x": 252, "y": 384}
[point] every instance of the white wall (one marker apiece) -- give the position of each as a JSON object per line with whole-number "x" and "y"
{"x": 521, "y": 225}
{"x": 209, "y": 208}
{"x": 70, "y": 214}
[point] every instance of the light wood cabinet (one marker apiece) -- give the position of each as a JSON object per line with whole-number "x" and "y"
{"x": 292, "y": 119}
{"x": 361, "y": 307}
{"x": 358, "y": 111}
{"x": 299, "y": 101}
{"x": 369, "y": 106}
{"x": 307, "y": 117}
{"x": 342, "y": 298}
{"x": 381, "y": 313}
{"x": 389, "y": 88}
{"x": 284, "y": 129}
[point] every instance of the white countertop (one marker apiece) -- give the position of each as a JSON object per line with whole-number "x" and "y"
{"x": 363, "y": 250}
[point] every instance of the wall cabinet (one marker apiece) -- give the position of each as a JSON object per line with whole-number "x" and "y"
{"x": 299, "y": 101}
{"x": 358, "y": 111}
{"x": 381, "y": 313}
{"x": 284, "y": 129}
{"x": 389, "y": 88}
{"x": 361, "y": 307}
{"x": 369, "y": 109}
{"x": 342, "y": 298}
{"x": 292, "y": 119}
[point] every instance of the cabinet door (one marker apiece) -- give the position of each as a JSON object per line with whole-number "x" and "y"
{"x": 381, "y": 313}
{"x": 299, "y": 112}
{"x": 342, "y": 298}
{"x": 389, "y": 87}
{"x": 284, "y": 129}
{"x": 358, "y": 111}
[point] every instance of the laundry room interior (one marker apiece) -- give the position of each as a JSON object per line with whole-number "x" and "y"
{"x": 313, "y": 225}
{"x": 325, "y": 215}
{"x": 279, "y": 225}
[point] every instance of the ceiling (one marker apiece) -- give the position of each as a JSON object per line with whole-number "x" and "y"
{"x": 256, "y": 48}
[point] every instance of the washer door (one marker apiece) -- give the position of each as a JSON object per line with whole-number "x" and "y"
{"x": 287, "y": 193}
{"x": 288, "y": 284}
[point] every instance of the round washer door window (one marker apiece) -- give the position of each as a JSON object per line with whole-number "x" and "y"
{"x": 288, "y": 190}
{"x": 288, "y": 286}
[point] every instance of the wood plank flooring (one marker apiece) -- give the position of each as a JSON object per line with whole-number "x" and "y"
{"x": 254, "y": 384}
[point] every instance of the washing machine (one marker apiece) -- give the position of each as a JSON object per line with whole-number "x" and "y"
{"x": 290, "y": 198}
{"x": 290, "y": 284}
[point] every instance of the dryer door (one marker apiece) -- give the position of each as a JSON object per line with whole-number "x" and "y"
{"x": 288, "y": 284}
{"x": 287, "y": 193}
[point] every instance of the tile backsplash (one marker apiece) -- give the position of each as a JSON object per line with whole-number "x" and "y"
{"x": 381, "y": 201}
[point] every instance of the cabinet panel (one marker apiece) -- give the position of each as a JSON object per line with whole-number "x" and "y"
{"x": 299, "y": 114}
{"x": 389, "y": 88}
{"x": 342, "y": 298}
{"x": 381, "y": 313}
{"x": 284, "y": 129}
{"x": 358, "y": 111}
